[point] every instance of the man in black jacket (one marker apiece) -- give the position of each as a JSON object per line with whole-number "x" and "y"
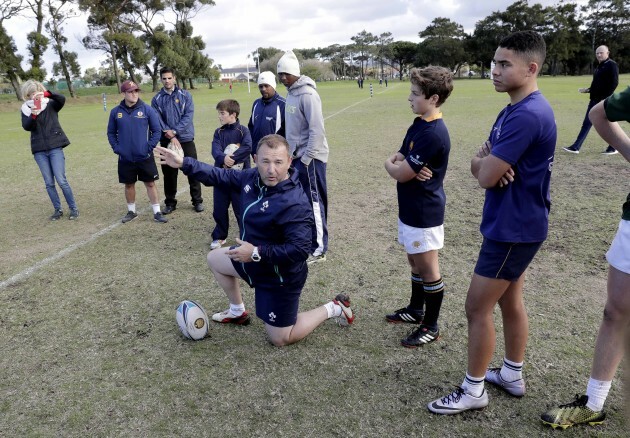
{"x": 605, "y": 80}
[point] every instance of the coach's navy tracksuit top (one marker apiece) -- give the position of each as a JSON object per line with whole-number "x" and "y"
{"x": 278, "y": 220}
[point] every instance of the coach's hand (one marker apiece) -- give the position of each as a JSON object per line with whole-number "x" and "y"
{"x": 168, "y": 157}
{"x": 242, "y": 252}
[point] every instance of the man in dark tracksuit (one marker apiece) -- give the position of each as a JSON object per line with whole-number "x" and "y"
{"x": 133, "y": 132}
{"x": 274, "y": 245}
{"x": 605, "y": 80}
{"x": 176, "y": 110}
{"x": 267, "y": 112}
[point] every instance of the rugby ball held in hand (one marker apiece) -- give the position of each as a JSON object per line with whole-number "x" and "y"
{"x": 178, "y": 150}
{"x": 229, "y": 150}
{"x": 192, "y": 320}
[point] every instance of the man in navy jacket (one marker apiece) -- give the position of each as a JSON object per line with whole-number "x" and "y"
{"x": 133, "y": 132}
{"x": 274, "y": 245}
{"x": 176, "y": 109}
{"x": 267, "y": 112}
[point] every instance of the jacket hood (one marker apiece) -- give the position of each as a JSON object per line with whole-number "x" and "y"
{"x": 301, "y": 85}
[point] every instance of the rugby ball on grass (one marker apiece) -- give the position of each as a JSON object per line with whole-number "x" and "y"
{"x": 229, "y": 150}
{"x": 192, "y": 320}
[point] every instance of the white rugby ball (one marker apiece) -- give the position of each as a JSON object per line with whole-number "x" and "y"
{"x": 229, "y": 150}
{"x": 178, "y": 150}
{"x": 192, "y": 320}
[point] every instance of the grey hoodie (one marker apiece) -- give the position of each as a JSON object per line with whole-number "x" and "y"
{"x": 304, "y": 122}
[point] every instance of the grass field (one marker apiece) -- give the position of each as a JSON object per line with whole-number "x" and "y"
{"x": 88, "y": 340}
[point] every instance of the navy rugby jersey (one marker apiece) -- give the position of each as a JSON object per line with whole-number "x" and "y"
{"x": 421, "y": 204}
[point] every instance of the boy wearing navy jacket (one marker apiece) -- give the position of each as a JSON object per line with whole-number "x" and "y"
{"x": 275, "y": 242}
{"x": 230, "y": 132}
{"x": 133, "y": 132}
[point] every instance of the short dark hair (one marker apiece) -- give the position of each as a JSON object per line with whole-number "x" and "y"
{"x": 433, "y": 80}
{"x": 229, "y": 105}
{"x": 167, "y": 70}
{"x": 529, "y": 44}
{"x": 274, "y": 141}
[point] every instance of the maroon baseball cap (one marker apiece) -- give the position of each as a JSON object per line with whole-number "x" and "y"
{"x": 129, "y": 86}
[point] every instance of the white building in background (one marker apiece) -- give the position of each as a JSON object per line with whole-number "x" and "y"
{"x": 238, "y": 74}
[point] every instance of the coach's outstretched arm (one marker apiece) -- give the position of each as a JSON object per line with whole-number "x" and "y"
{"x": 609, "y": 131}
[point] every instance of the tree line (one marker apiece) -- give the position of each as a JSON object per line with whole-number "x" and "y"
{"x": 139, "y": 37}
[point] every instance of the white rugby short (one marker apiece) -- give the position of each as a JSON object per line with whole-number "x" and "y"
{"x": 419, "y": 240}
{"x": 619, "y": 253}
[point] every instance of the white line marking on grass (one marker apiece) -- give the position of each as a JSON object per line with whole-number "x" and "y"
{"x": 64, "y": 252}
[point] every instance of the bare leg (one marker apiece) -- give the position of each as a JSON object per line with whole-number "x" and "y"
{"x": 225, "y": 274}
{"x": 426, "y": 265}
{"x": 130, "y": 193}
{"x": 515, "y": 323}
{"x": 152, "y": 192}
{"x": 483, "y": 295}
{"x": 609, "y": 347}
{"x": 305, "y": 324}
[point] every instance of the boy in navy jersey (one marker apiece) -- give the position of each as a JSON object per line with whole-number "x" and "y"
{"x": 514, "y": 166}
{"x": 419, "y": 167}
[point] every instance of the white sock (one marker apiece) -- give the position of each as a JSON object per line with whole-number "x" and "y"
{"x": 237, "y": 309}
{"x": 473, "y": 385}
{"x": 597, "y": 391}
{"x": 156, "y": 208}
{"x": 131, "y": 207}
{"x": 511, "y": 371}
{"x": 332, "y": 309}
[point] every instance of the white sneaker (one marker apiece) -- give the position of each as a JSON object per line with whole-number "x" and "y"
{"x": 458, "y": 401}
{"x": 217, "y": 244}
{"x": 515, "y": 388}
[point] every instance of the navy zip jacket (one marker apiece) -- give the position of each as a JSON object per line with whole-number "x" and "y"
{"x": 267, "y": 118}
{"x": 278, "y": 220}
{"x": 228, "y": 134}
{"x": 176, "y": 112}
{"x": 46, "y": 132}
{"x": 133, "y": 132}
{"x": 605, "y": 80}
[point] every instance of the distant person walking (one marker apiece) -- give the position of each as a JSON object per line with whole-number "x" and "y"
{"x": 605, "y": 80}
{"x": 40, "y": 117}
{"x": 133, "y": 132}
{"x": 306, "y": 135}
{"x": 176, "y": 110}
{"x": 267, "y": 112}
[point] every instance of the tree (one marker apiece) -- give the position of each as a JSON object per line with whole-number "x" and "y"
{"x": 383, "y": 45}
{"x": 68, "y": 64}
{"x": 105, "y": 21}
{"x": 443, "y": 44}
{"x": 608, "y": 23}
{"x": 563, "y": 39}
{"x": 362, "y": 43}
{"x": 10, "y": 61}
{"x": 37, "y": 41}
{"x": 403, "y": 54}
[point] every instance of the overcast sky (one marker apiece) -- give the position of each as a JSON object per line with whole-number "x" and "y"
{"x": 234, "y": 28}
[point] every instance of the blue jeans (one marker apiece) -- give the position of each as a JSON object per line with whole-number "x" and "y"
{"x": 52, "y": 164}
{"x": 586, "y": 126}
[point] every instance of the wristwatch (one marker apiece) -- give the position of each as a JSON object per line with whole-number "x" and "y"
{"x": 255, "y": 255}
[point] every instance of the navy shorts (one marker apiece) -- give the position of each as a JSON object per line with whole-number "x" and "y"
{"x": 505, "y": 260}
{"x": 130, "y": 172}
{"x": 278, "y": 306}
